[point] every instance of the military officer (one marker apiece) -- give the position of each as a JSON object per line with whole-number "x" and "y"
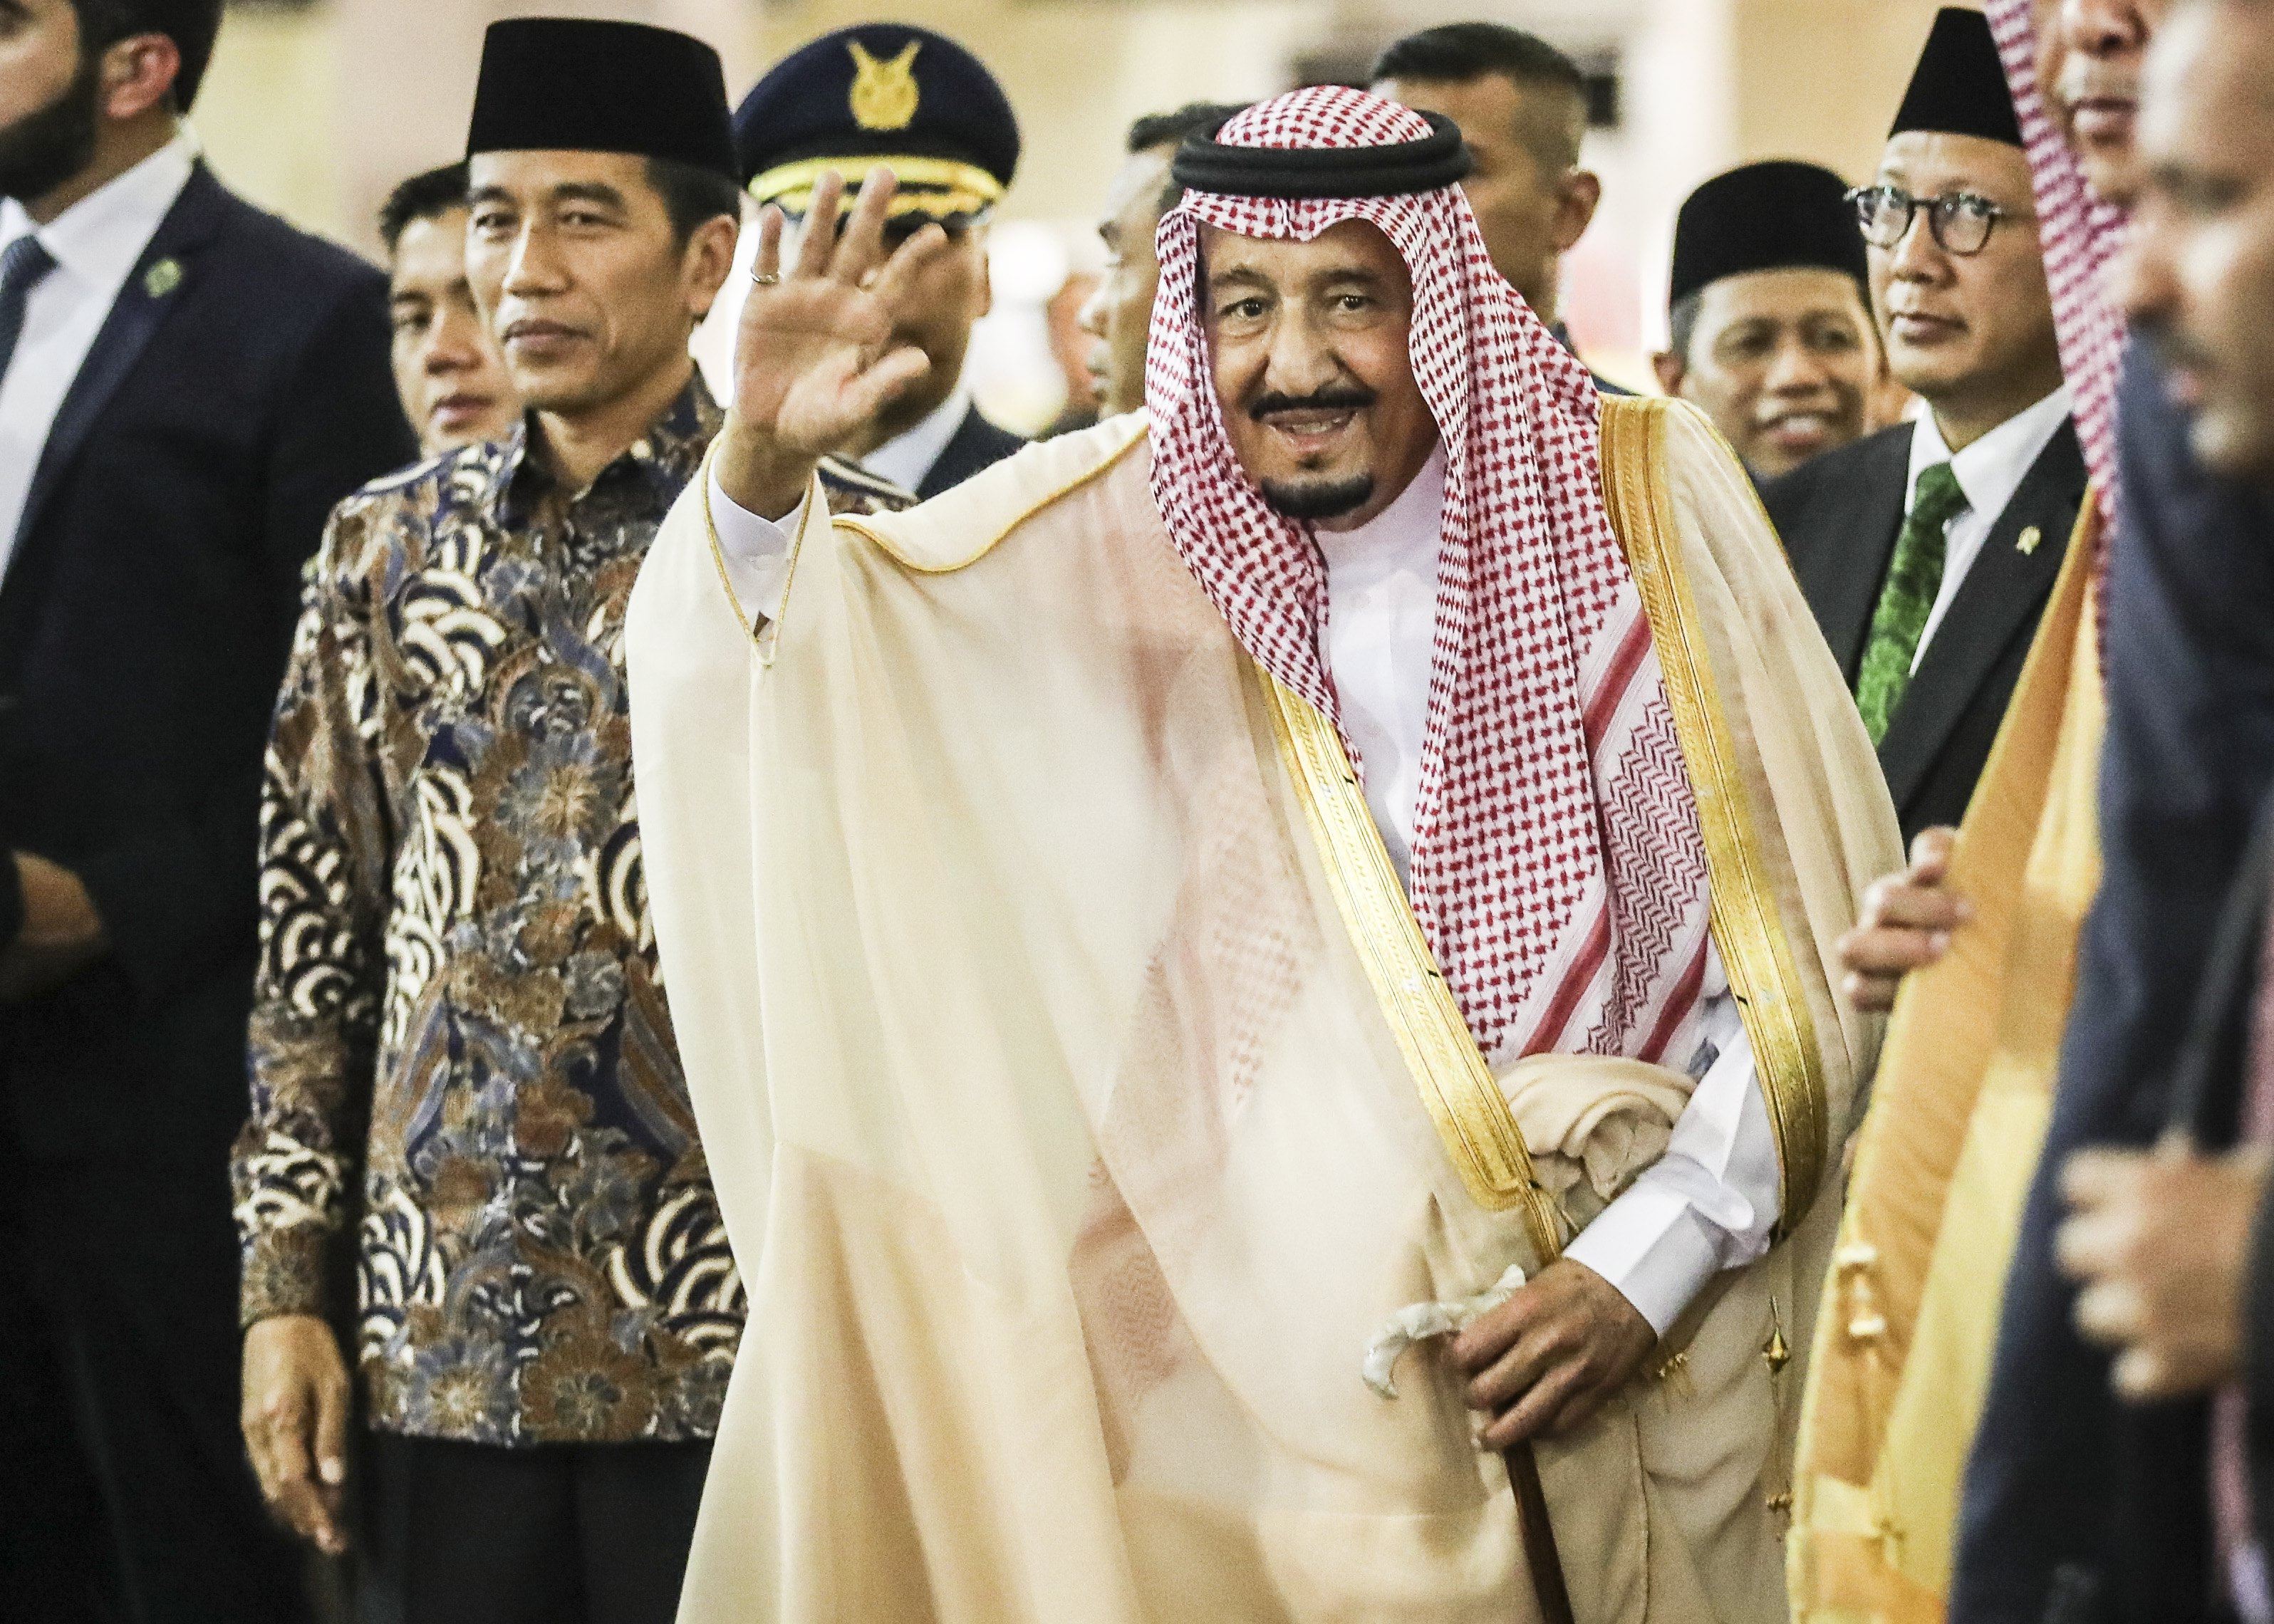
{"x": 891, "y": 98}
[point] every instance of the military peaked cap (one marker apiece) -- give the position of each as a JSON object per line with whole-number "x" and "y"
{"x": 881, "y": 95}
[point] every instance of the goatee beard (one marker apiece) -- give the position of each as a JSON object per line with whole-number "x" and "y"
{"x": 43, "y": 150}
{"x": 1319, "y": 499}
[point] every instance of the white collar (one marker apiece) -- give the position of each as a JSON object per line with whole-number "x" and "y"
{"x": 906, "y": 458}
{"x": 1991, "y": 469}
{"x": 1403, "y": 536}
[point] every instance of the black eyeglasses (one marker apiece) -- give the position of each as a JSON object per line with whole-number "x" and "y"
{"x": 1962, "y": 221}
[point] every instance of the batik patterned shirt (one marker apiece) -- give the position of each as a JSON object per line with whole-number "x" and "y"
{"x": 459, "y": 1036}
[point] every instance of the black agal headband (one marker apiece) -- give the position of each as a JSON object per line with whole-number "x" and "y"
{"x": 1437, "y": 159}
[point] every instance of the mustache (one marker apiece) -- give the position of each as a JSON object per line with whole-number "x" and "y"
{"x": 2084, "y": 79}
{"x": 1336, "y": 397}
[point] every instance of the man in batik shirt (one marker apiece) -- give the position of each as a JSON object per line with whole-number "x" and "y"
{"x": 459, "y": 1017}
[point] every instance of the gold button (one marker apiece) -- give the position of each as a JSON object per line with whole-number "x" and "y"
{"x": 2026, "y": 543}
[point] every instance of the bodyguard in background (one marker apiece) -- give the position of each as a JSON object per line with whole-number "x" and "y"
{"x": 189, "y": 385}
{"x": 1928, "y": 551}
{"x": 1521, "y": 107}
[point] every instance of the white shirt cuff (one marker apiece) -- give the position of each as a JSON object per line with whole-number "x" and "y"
{"x": 754, "y": 550}
{"x": 1711, "y": 1202}
{"x": 1652, "y": 1244}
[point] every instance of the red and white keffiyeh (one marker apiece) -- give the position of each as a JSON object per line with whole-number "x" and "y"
{"x": 2080, "y": 235}
{"x": 1558, "y": 869}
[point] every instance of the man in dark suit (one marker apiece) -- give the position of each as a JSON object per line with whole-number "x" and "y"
{"x": 1928, "y": 551}
{"x": 186, "y": 387}
{"x": 2129, "y": 1507}
{"x": 889, "y": 97}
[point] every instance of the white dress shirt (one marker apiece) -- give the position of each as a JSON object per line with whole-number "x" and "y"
{"x": 95, "y": 243}
{"x": 1711, "y": 1202}
{"x": 906, "y": 458}
{"x": 1989, "y": 471}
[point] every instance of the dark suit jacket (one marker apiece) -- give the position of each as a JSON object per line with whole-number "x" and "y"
{"x": 2188, "y": 758}
{"x": 144, "y": 622}
{"x": 1840, "y": 515}
{"x": 976, "y": 444}
{"x": 2163, "y": 1516}
{"x": 2209, "y": 1084}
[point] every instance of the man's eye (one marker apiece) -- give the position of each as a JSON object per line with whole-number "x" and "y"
{"x": 1836, "y": 341}
{"x": 1352, "y": 304}
{"x": 1245, "y": 310}
{"x": 491, "y": 220}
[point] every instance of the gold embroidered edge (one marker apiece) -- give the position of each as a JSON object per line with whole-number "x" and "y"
{"x": 1473, "y": 1117}
{"x": 751, "y": 634}
{"x": 1746, "y": 924}
{"x": 900, "y": 556}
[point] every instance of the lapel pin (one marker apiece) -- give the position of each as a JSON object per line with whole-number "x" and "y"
{"x": 2026, "y": 543}
{"x": 163, "y": 278}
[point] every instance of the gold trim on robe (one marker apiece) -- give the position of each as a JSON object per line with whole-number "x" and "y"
{"x": 1748, "y": 928}
{"x": 1464, "y": 1099}
{"x": 1462, "y": 1096}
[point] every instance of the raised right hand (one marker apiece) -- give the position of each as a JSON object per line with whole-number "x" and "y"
{"x": 813, "y": 358}
{"x": 295, "y": 1417}
{"x": 1906, "y": 926}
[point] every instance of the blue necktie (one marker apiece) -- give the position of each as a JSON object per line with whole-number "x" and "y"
{"x": 22, "y": 263}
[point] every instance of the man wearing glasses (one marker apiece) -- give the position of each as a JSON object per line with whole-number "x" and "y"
{"x": 1928, "y": 551}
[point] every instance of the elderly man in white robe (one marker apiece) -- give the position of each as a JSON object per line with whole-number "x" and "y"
{"x": 1350, "y": 854}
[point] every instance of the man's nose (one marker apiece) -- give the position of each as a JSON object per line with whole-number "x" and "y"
{"x": 1794, "y": 369}
{"x": 532, "y": 268}
{"x": 1918, "y": 257}
{"x": 1302, "y": 362}
{"x": 2100, "y": 27}
{"x": 1091, "y": 317}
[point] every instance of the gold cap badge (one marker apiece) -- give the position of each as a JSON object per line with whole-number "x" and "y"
{"x": 2026, "y": 543}
{"x": 883, "y": 93}
{"x": 163, "y": 278}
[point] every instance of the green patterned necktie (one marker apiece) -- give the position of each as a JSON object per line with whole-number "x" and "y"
{"x": 1913, "y": 579}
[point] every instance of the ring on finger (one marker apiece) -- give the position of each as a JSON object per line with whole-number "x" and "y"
{"x": 764, "y": 279}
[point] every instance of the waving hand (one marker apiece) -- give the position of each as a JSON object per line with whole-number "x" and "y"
{"x": 814, "y": 358}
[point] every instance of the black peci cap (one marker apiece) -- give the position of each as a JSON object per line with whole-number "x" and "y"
{"x": 1773, "y": 216}
{"x": 1958, "y": 87}
{"x": 579, "y": 85}
{"x": 880, "y": 96}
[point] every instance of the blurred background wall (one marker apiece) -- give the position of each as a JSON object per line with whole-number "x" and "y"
{"x": 315, "y": 107}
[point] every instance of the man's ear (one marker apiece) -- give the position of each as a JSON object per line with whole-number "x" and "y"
{"x": 138, "y": 74}
{"x": 986, "y": 275}
{"x": 1574, "y": 207}
{"x": 708, "y": 261}
{"x": 1670, "y": 371}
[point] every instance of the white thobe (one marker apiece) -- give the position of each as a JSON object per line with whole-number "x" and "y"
{"x": 1711, "y": 1201}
